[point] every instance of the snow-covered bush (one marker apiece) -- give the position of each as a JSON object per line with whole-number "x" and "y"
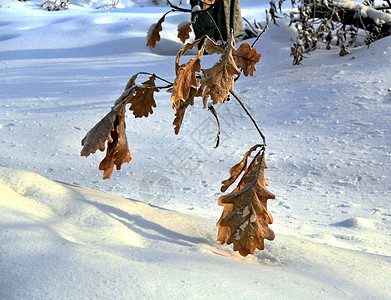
{"x": 343, "y": 23}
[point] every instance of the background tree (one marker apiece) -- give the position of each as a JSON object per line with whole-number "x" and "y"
{"x": 220, "y": 15}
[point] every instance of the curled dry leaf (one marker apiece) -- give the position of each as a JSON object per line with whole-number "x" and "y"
{"x": 219, "y": 80}
{"x": 153, "y": 35}
{"x": 245, "y": 58}
{"x": 180, "y": 110}
{"x": 212, "y": 47}
{"x": 237, "y": 169}
{"x": 142, "y": 102}
{"x": 110, "y": 128}
{"x": 245, "y": 218}
{"x": 131, "y": 82}
{"x": 182, "y": 51}
{"x": 186, "y": 80}
{"x": 184, "y": 30}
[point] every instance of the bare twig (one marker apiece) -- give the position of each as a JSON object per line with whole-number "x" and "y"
{"x": 211, "y": 108}
{"x": 259, "y": 35}
{"x": 249, "y": 115}
{"x": 215, "y": 25}
{"x": 189, "y": 10}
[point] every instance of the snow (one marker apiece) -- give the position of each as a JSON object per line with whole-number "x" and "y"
{"x": 149, "y": 232}
{"x": 365, "y": 11}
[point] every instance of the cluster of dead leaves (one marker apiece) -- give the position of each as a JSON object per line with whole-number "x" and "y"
{"x": 245, "y": 218}
{"x": 215, "y": 82}
{"x": 112, "y": 127}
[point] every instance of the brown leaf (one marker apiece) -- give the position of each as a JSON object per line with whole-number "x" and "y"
{"x": 237, "y": 169}
{"x": 131, "y": 82}
{"x": 180, "y": 111}
{"x": 182, "y": 51}
{"x": 153, "y": 35}
{"x": 245, "y": 58}
{"x": 245, "y": 217}
{"x": 186, "y": 79}
{"x": 219, "y": 79}
{"x": 112, "y": 129}
{"x": 212, "y": 47}
{"x": 142, "y": 102}
{"x": 184, "y": 32}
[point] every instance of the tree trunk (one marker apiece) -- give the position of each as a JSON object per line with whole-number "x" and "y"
{"x": 203, "y": 25}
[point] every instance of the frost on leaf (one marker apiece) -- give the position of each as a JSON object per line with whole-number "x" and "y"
{"x": 245, "y": 218}
{"x": 185, "y": 80}
{"x": 217, "y": 81}
{"x": 184, "y": 30}
{"x": 153, "y": 35}
{"x": 245, "y": 58}
{"x": 142, "y": 102}
{"x": 110, "y": 128}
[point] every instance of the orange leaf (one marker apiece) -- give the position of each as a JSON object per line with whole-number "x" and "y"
{"x": 110, "y": 128}
{"x": 245, "y": 58}
{"x": 142, "y": 102}
{"x": 153, "y": 35}
{"x": 245, "y": 218}
{"x": 184, "y": 31}
{"x": 182, "y": 51}
{"x": 212, "y": 47}
{"x": 219, "y": 79}
{"x": 131, "y": 82}
{"x": 180, "y": 111}
{"x": 237, "y": 169}
{"x": 186, "y": 79}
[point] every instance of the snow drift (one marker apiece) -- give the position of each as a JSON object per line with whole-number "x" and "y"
{"x": 64, "y": 241}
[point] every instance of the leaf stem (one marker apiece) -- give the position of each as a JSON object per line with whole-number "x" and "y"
{"x": 215, "y": 25}
{"x": 162, "y": 79}
{"x": 212, "y": 109}
{"x": 249, "y": 115}
{"x": 259, "y": 35}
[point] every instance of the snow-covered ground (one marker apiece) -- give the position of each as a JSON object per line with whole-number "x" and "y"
{"x": 149, "y": 232}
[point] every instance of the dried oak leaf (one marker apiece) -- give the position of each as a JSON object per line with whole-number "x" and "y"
{"x": 153, "y": 35}
{"x": 245, "y": 218}
{"x": 237, "y": 169}
{"x": 219, "y": 80}
{"x": 184, "y": 30}
{"x": 131, "y": 82}
{"x": 142, "y": 102}
{"x": 182, "y": 51}
{"x": 180, "y": 110}
{"x": 245, "y": 58}
{"x": 110, "y": 128}
{"x": 212, "y": 47}
{"x": 185, "y": 80}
